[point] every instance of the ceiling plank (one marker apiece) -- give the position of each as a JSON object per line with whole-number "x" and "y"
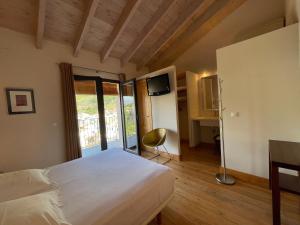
{"x": 151, "y": 25}
{"x": 179, "y": 24}
{"x": 89, "y": 14}
{"x": 125, "y": 17}
{"x": 196, "y": 31}
{"x": 40, "y": 29}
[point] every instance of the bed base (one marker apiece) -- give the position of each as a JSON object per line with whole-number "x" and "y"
{"x": 157, "y": 213}
{"x": 158, "y": 219}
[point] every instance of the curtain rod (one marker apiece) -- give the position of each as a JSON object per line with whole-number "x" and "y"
{"x": 81, "y": 67}
{"x": 96, "y": 70}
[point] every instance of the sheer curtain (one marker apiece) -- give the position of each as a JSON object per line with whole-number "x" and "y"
{"x": 73, "y": 150}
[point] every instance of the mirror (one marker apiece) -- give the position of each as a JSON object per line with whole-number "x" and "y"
{"x": 209, "y": 87}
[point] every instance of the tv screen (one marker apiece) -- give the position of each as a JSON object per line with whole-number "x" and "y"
{"x": 158, "y": 85}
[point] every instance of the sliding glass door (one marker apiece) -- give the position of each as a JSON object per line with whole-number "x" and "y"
{"x": 107, "y": 115}
{"x": 130, "y": 118}
{"x": 113, "y": 114}
{"x": 90, "y": 114}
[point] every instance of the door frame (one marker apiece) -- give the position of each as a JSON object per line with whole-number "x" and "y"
{"x": 137, "y": 117}
{"x": 100, "y": 100}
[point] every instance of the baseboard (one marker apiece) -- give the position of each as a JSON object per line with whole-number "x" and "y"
{"x": 165, "y": 155}
{"x": 249, "y": 178}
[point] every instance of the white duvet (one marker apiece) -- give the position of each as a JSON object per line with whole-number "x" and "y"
{"x": 111, "y": 188}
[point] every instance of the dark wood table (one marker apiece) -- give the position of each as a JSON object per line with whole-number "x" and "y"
{"x": 283, "y": 154}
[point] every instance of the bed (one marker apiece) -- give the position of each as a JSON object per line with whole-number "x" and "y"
{"x": 112, "y": 188}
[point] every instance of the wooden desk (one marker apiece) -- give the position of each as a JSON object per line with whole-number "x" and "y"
{"x": 283, "y": 154}
{"x": 207, "y": 121}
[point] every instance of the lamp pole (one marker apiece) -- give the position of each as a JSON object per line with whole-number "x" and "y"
{"x": 223, "y": 178}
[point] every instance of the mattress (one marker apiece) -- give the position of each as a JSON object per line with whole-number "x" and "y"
{"x": 111, "y": 188}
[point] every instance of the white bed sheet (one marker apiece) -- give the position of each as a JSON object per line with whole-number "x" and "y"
{"x": 111, "y": 188}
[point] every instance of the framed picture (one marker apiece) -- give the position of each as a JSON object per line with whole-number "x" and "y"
{"x": 20, "y": 101}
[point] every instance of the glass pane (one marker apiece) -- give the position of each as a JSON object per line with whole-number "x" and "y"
{"x": 113, "y": 116}
{"x": 130, "y": 117}
{"x": 88, "y": 117}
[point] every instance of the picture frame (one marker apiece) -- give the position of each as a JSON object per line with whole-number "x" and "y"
{"x": 20, "y": 101}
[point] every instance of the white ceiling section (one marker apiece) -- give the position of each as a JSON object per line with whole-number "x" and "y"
{"x": 201, "y": 57}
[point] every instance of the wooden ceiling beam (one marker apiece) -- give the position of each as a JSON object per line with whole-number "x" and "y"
{"x": 125, "y": 17}
{"x": 203, "y": 25}
{"x": 179, "y": 24}
{"x": 89, "y": 14}
{"x": 150, "y": 26}
{"x": 40, "y": 29}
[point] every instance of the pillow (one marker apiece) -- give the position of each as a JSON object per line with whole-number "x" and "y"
{"x": 39, "y": 209}
{"x": 22, "y": 183}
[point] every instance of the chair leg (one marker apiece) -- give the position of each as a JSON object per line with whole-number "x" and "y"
{"x": 170, "y": 158}
{"x": 156, "y": 154}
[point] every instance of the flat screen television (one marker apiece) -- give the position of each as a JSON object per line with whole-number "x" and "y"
{"x": 158, "y": 85}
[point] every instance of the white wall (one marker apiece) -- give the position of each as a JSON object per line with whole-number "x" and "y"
{"x": 291, "y": 11}
{"x": 298, "y": 16}
{"x": 165, "y": 112}
{"x": 37, "y": 140}
{"x": 261, "y": 82}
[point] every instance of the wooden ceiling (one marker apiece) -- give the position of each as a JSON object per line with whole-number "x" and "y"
{"x": 145, "y": 32}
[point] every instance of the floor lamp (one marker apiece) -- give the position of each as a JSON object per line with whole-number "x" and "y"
{"x": 223, "y": 178}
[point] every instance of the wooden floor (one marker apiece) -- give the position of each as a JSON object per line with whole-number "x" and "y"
{"x": 200, "y": 200}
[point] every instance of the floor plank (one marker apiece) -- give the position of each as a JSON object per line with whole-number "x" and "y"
{"x": 199, "y": 199}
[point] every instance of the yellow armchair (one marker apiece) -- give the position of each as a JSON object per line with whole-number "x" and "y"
{"x": 154, "y": 139}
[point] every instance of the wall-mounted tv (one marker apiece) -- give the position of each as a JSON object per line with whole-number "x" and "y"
{"x": 158, "y": 85}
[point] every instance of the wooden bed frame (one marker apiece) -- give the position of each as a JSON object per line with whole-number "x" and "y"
{"x": 157, "y": 213}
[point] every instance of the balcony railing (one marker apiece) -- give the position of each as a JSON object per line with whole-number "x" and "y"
{"x": 89, "y": 130}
